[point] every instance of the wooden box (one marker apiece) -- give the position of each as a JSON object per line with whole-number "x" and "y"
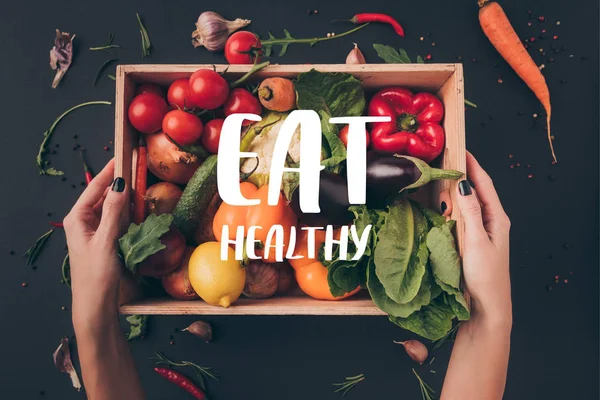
{"x": 445, "y": 80}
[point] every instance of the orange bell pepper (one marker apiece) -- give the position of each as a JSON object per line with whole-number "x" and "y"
{"x": 262, "y": 215}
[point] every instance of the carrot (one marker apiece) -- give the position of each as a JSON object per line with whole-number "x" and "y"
{"x": 497, "y": 28}
{"x": 141, "y": 173}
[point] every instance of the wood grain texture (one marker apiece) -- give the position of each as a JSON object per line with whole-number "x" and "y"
{"x": 301, "y": 305}
{"x": 444, "y": 79}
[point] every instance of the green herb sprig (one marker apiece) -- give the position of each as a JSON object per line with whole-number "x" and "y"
{"x": 288, "y": 39}
{"x": 201, "y": 372}
{"x": 66, "y": 271}
{"x": 102, "y": 68}
{"x": 349, "y": 383}
{"x": 34, "y": 251}
{"x": 427, "y": 392}
{"x": 39, "y": 160}
{"x": 146, "y": 44}
{"x": 450, "y": 336}
{"x": 108, "y": 45}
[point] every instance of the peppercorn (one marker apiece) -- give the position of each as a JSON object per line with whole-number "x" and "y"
{"x": 73, "y": 186}
{"x": 64, "y": 178}
{"x": 473, "y": 60}
{"x": 106, "y": 148}
{"x": 433, "y": 44}
{"x": 510, "y": 156}
{"x": 421, "y": 38}
{"x": 541, "y": 18}
{"x": 24, "y": 284}
{"x": 530, "y": 176}
{"x": 12, "y": 252}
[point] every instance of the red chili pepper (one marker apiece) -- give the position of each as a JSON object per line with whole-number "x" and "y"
{"x": 384, "y": 18}
{"x": 56, "y": 224}
{"x": 86, "y": 169}
{"x": 182, "y": 381}
{"x": 141, "y": 174}
{"x": 415, "y": 128}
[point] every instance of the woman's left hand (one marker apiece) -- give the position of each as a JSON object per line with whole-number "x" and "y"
{"x": 92, "y": 228}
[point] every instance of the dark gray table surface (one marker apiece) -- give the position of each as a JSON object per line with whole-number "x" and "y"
{"x": 554, "y": 213}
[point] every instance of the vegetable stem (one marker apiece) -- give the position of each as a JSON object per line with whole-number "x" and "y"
{"x": 40, "y": 162}
{"x": 470, "y": 103}
{"x": 146, "y": 44}
{"x": 255, "y": 68}
{"x": 34, "y": 251}
{"x": 107, "y": 45}
{"x": 311, "y": 41}
{"x": 102, "y": 68}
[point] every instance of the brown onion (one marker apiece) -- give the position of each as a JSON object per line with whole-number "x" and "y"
{"x": 166, "y": 260}
{"x": 286, "y": 278}
{"x": 167, "y": 162}
{"x": 261, "y": 280}
{"x": 162, "y": 197}
{"x": 177, "y": 282}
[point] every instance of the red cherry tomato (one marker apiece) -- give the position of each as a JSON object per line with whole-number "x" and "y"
{"x": 212, "y": 134}
{"x": 242, "y": 101}
{"x": 150, "y": 88}
{"x": 344, "y": 136}
{"x": 178, "y": 95}
{"x": 185, "y": 128}
{"x": 146, "y": 112}
{"x": 243, "y": 47}
{"x": 207, "y": 89}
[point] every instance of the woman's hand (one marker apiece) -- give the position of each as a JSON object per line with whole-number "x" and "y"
{"x": 486, "y": 244}
{"x": 92, "y": 228}
{"x": 479, "y": 360}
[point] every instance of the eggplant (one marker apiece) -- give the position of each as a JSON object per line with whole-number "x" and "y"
{"x": 333, "y": 202}
{"x": 390, "y": 174}
{"x": 387, "y": 176}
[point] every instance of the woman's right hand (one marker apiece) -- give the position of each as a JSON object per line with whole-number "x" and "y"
{"x": 486, "y": 247}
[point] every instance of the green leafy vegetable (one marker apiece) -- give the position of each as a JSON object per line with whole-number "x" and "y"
{"x": 431, "y": 322}
{"x": 337, "y": 93}
{"x": 141, "y": 241}
{"x": 400, "y": 259}
{"x": 432, "y": 217}
{"x": 381, "y": 300}
{"x": 137, "y": 326}
{"x": 349, "y": 383}
{"x": 444, "y": 259}
{"x": 335, "y": 148}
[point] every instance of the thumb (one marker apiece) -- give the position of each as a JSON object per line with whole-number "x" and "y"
{"x": 112, "y": 208}
{"x": 470, "y": 209}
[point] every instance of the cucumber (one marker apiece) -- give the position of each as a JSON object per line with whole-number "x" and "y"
{"x": 196, "y": 197}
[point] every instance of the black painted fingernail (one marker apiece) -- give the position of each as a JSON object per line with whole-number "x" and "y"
{"x": 443, "y": 207}
{"x": 464, "y": 188}
{"x": 118, "y": 185}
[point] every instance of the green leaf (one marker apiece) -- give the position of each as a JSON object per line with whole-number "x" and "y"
{"x": 432, "y": 217}
{"x": 381, "y": 300}
{"x": 420, "y": 60}
{"x": 444, "y": 259}
{"x": 53, "y": 172}
{"x": 459, "y": 306}
{"x": 339, "y": 94}
{"x": 431, "y": 322}
{"x": 335, "y": 147}
{"x": 391, "y": 55}
{"x": 141, "y": 241}
{"x": 137, "y": 325}
{"x": 345, "y": 276}
{"x": 398, "y": 252}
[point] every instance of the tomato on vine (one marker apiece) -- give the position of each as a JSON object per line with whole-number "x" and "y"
{"x": 243, "y": 47}
{"x": 212, "y": 134}
{"x": 178, "y": 95}
{"x": 242, "y": 101}
{"x": 185, "y": 128}
{"x": 207, "y": 89}
{"x": 146, "y": 112}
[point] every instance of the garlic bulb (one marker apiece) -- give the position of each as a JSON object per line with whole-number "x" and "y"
{"x": 212, "y": 30}
{"x": 355, "y": 56}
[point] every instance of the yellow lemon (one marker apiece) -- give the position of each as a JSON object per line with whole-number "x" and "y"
{"x": 218, "y": 282}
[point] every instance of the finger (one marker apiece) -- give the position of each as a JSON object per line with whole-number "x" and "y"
{"x": 98, "y": 206}
{"x": 485, "y": 187}
{"x": 95, "y": 189}
{"x": 469, "y": 207}
{"x": 113, "y": 206}
{"x": 446, "y": 206}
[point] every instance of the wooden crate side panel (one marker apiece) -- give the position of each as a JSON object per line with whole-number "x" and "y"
{"x": 274, "y": 306}
{"x": 423, "y": 76}
{"x": 125, "y": 136}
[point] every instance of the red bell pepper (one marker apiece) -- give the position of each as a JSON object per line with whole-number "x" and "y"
{"x": 415, "y": 128}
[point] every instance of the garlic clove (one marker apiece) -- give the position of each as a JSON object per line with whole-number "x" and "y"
{"x": 201, "y": 329}
{"x": 355, "y": 56}
{"x": 212, "y": 30}
{"x": 415, "y": 350}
